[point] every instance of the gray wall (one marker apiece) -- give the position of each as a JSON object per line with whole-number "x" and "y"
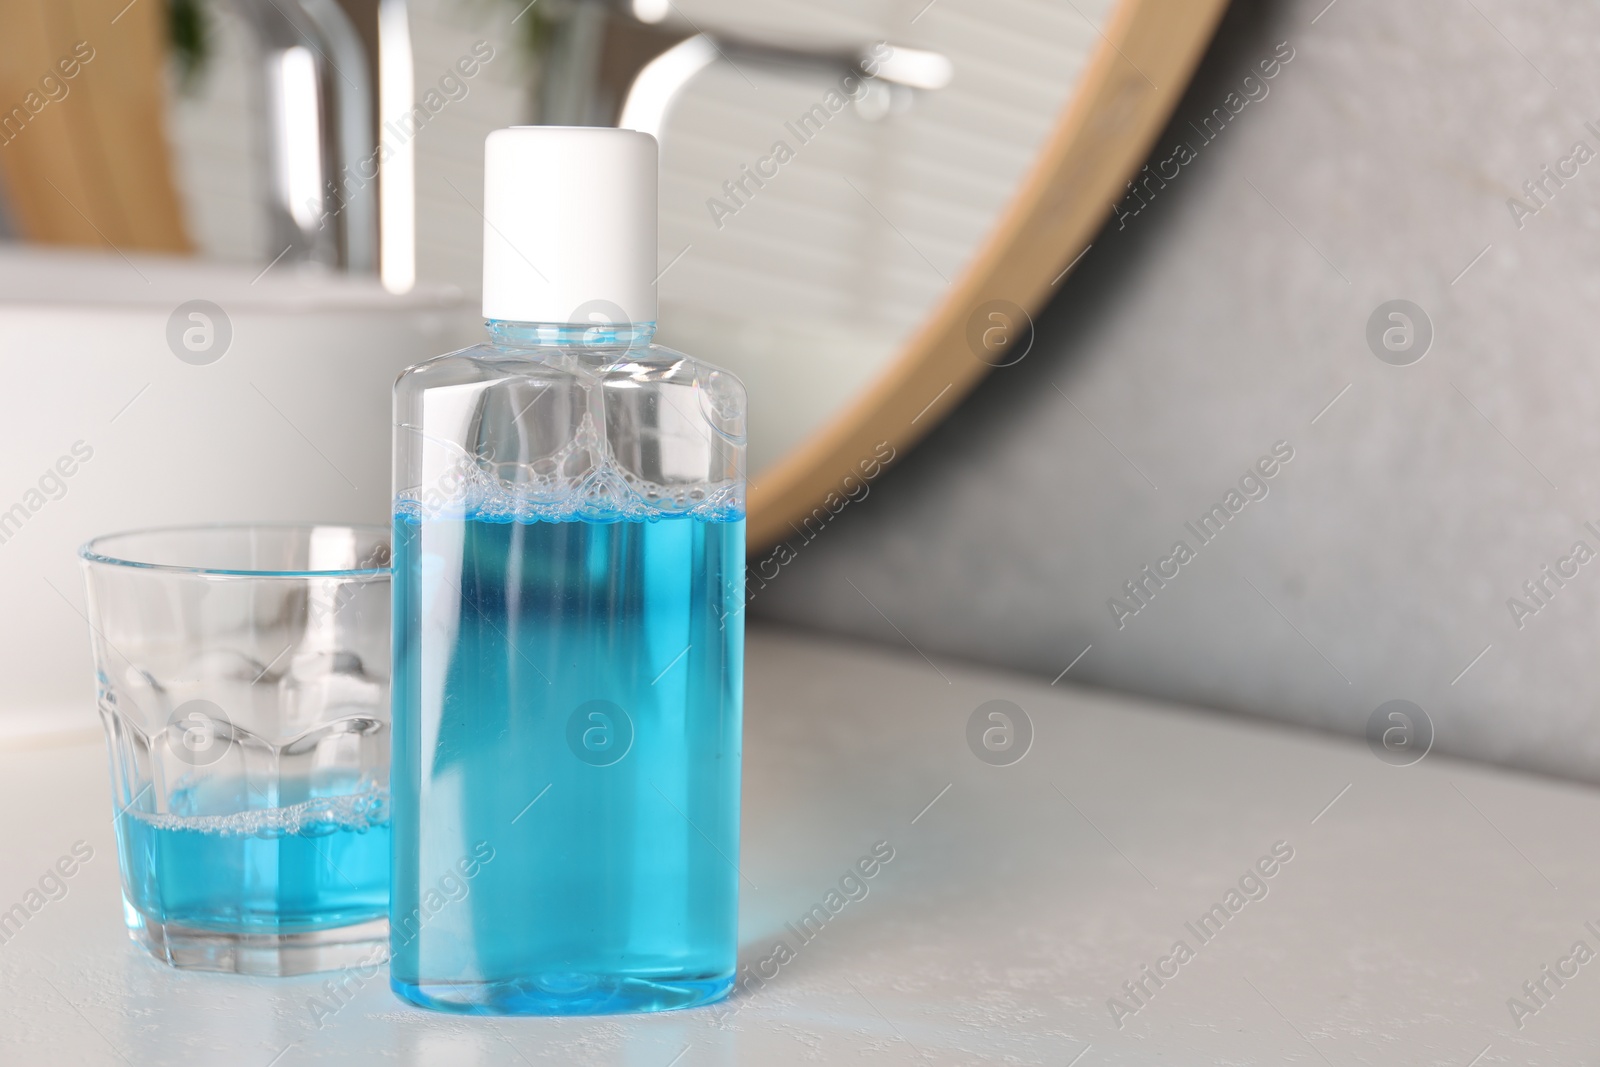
{"x": 1223, "y": 318}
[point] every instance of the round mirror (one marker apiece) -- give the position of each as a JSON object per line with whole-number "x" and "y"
{"x": 818, "y": 201}
{"x": 860, "y": 208}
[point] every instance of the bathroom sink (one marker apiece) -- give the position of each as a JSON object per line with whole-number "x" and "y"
{"x": 125, "y": 405}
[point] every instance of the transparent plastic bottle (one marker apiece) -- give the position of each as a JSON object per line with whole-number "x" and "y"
{"x": 568, "y": 624}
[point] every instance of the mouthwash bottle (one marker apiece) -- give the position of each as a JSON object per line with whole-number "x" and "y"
{"x": 568, "y": 627}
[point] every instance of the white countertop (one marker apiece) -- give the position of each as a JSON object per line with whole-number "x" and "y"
{"x": 1015, "y": 905}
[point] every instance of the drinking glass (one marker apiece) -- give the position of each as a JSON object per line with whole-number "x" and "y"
{"x": 242, "y": 673}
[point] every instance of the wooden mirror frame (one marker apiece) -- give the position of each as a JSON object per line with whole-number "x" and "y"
{"x": 1133, "y": 82}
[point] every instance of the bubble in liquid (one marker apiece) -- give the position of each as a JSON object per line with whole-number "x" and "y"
{"x": 316, "y": 817}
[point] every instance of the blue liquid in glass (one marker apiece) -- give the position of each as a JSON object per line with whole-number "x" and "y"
{"x": 321, "y": 860}
{"x": 567, "y": 699}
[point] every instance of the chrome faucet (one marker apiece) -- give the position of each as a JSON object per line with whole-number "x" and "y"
{"x": 620, "y": 62}
{"x": 321, "y": 130}
{"x": 601, "y": 63}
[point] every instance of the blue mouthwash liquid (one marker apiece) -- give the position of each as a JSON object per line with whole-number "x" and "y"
{"x": 567, "y": 700}
{"x": 312, "y": 857}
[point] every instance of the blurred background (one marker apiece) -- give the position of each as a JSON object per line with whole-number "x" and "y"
{"x": 1391, "y": 160}
{"x": 1363, "y": 270}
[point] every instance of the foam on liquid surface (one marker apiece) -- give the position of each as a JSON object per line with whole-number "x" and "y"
{"x": 315, "y": 817}
{"x": 580, "y": 481}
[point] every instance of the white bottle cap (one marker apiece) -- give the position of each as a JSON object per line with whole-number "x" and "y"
{"x": 569, "y": 225}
